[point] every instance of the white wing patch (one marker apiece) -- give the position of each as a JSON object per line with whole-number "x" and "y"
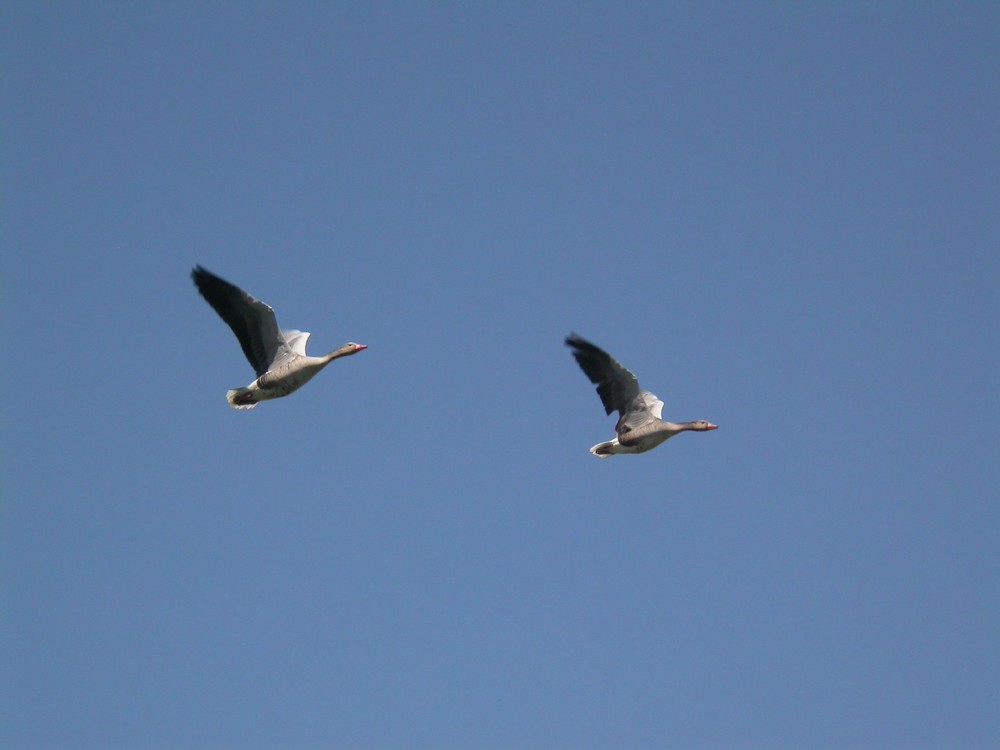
{"x": 296, "y": 341}
{"x": 654, "y": 404}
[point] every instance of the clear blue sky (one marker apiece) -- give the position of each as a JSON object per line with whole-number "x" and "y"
{"x": 783, "y": 217}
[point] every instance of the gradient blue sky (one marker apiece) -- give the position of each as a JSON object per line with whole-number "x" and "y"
{"x": 783, "y": 217}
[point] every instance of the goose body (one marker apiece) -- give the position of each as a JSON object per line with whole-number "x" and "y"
{"x": 640, "y": 427}
{"x": 278, "y": 357}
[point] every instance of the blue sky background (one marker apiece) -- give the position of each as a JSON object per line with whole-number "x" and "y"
{"x": 783, "y": 217}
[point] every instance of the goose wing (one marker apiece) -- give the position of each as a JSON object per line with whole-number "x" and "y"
{"x": 643, "y": 409}
{"x": 617, "y": 387}
{"x": 251, "y": 320}
{"x": 296, "y": 341}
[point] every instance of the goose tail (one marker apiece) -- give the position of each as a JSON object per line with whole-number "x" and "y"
{"x": 241, "y": 398}
{"x": 604, "y": 450}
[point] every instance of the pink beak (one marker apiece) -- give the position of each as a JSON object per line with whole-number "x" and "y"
{"x": 362, "y": 346}
{"x": 713, "y": 426}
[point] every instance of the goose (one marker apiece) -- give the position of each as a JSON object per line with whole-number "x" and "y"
{"x": 639, "y": 427}
{"x": 278, "y": 357}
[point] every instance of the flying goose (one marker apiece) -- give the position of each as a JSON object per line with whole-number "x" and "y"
{"x": 639, "y": 427}
{"x": 278, "y": 357}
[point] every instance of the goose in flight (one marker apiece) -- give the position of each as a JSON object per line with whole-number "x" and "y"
{"x": 639, "y": 427}
{"x": 278, "y": 357}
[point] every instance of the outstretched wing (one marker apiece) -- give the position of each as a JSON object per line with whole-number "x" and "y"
{"x": 616, "y": 386}
{"x": 251, "y": 320}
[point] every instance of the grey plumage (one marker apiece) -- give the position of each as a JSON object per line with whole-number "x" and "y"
{"x": 639, "y": 427}
{"x": 278, "y": 357}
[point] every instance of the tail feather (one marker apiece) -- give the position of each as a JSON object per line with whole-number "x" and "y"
{"x": 240, "y": 398}
{"x": 603, "y": 450}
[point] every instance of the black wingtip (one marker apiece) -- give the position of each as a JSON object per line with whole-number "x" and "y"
{"x": 205, "y": 280}
{"x": 581, "y": 344}
{"x": 198, "y": 273}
